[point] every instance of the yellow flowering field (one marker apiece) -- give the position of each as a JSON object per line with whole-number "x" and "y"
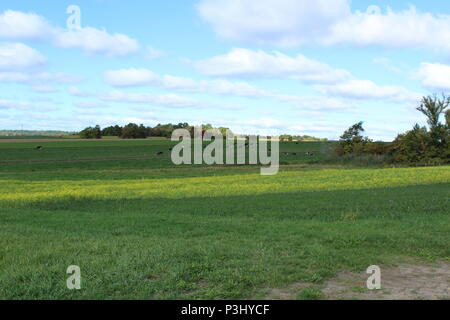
{"x": 21, "y": 191}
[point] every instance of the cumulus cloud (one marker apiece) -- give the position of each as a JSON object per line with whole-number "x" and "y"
{"x": 77, "y": 92}
{"x": 39, "y": 77}
{"x": 241, "y": 62}
{"x": 142, "y": 77}
{"x": 24, "y": 26}
{"x": 317, "y": 103}
{"x": 17, "y": 56}
{"x": 43, "y": 88}
{"x": 130, "y": 77}
{"x": 368, "y": 90}
{"x": 167, "y": 100}
{"x": 435, "y": 76}
{"x": 324, "y": 78}
{"x": 90, "y": 105}
{"x": 409, "y": 28}
{"x": 95, "y": 41}
{"x": 164, "y": 100}
{"x": 153, "y": 53}
{"x": 24, "y": 106}
{"x": 298, "y": 22}
{"x": 29, "y": 26}
{"x": 280, "y": 22}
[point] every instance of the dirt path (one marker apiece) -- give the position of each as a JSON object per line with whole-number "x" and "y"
{"x": 403, "y": 282}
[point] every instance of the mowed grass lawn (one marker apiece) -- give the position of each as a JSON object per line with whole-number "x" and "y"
{"x": 141, "y": 228}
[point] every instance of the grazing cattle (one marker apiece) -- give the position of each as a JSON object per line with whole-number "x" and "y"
{"x": 310, "y": 154}
{"x": 160, "y": 153}
{"x": 170, "y": 149}
{"x": 39, "y": 148}
{"x": 294, "y": 154}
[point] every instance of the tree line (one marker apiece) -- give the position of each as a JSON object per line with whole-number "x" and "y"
{"x": 421, "y": 145}
{"x": 134, "y": 131}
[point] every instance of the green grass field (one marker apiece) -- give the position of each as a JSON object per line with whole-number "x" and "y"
{"x": 142, "y": 228}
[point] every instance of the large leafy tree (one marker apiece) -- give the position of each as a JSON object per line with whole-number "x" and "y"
{"x": 433, "y": 107}
{"x": 353, "y": 141}
{"x": 91, "y": 133}
{"x": 424, "y": 146}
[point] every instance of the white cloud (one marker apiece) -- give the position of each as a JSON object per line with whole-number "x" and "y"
{"x": 24, "y": 105}
{"x": 389, "y": 65}
{"x": 298, "y": 22}
{"x": 90, "y": 105}
{"x": 435, "y": 76}
{"x": 164, "y": 100}
{"x": 39, "y": 77}
{"x": 368, "y": 90}
{"x": 167, "y": 100}
{"x": 43, "y": 88}
{"x": 402, "y": 29}
{"x": 142, "y": 77}
{"x": 95, "y": 41}
{"x": 248, "y": 63}
{"x": 330, "y": 81}
{"x": 75, "y": 91}
{"x": 267, "y": 123}
{"x": 130, "y": 77}
{"x": 280, "y": 22}
{"x": 153, "y": 53}
{"x": 29, "y": 26}
{"x": 17, "y": 56}
{"x": 317, "y": 103}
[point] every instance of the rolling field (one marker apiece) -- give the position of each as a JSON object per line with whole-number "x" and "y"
{"x": 141, "y": 228}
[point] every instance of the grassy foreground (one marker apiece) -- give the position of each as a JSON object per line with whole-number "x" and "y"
{"x": 140, "y": 228}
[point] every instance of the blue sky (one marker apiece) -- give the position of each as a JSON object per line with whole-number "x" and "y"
{"x": 266, "y": 66}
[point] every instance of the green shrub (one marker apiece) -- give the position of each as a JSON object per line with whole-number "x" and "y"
{"x": 91, "y": 133}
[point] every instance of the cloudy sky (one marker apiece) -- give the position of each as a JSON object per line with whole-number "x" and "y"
{"x": 256, "y": 66}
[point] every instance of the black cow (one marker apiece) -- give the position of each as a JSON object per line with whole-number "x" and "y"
{"x": 39, "y": 147}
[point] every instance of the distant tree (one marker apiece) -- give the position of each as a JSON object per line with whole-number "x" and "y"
{"x": 447, "y": 118}
{"x": 413, "y": 146}
{"x": 133, "y": 131}
{"x": 91, "y": 133}
{"x": 164, "y": 130}
{"x": 352, "y": 141}
{"x": 113, "y": 131}
{"x": 184, "y": 125}
{"x": 424, "y": 146}
{"x": 433, "y": 107}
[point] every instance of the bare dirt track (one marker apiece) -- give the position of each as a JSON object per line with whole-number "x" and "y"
{"x": 403, "y": 282}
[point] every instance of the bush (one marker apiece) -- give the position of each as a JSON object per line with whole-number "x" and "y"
{"x": 133, "y": 131}
{"x": 423, "y": 146}
{"x": 417, "y": 147}
{"x": 352, "y": 140}
{"x": 91, "y": 133}
{"x": 113, "y": 131}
